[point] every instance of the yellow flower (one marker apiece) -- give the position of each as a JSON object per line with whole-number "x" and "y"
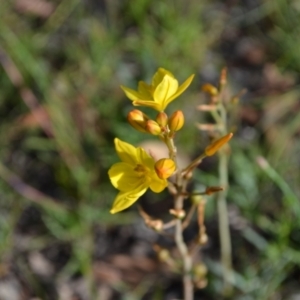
{"x": 163, "y": 90}
{"x": 133, "y": 175}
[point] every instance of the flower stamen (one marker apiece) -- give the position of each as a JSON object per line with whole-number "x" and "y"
{"x": 140, "y": 170}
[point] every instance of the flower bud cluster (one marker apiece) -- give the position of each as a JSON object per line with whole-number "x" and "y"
{"x": 162, "y": 125}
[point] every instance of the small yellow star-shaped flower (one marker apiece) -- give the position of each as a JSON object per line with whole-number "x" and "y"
{"x": 133, "y": 175}
{"x": 163, "y": 90}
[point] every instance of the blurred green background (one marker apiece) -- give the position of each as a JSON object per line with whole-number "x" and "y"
{"x": 61, "y": 106}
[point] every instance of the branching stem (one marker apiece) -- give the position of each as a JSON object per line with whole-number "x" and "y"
{"x": 181, "y": 183}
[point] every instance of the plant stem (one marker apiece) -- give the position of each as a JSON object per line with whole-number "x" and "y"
{"x": 179, "y": 240}
{"x": 224, "y": 230}
{"x": 189, "y": 216}
{"x": 186, "y": 258}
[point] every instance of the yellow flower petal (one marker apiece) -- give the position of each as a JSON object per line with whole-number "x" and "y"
{"x": 131, "y": 94}
{"x": 148, "y": 103}
{"x": 144, "y": 158}
{"x": 159, "y": 76}
{"x": 124, "y": 178}
{"x": 124, "y": 200}
{"x": 126, "y": 152}
{"x": 145, "y": 91}
{"x": 181, "y": 89}
{"x": 157, "y": 185}
{"x": 165, "y": 90}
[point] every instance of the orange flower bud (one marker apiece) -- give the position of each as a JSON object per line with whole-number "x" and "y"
{"x": 137, "y": 120}
{"x": 223, "y": 77}
{"x": 165, "y": 168}
{"x": 152, "y": 127}
{"x": 176, "y": 121}
{"x": 215, "y": 146}
{"x": 210, "y": 89}
{"x": 213, "y": 189}
{"x": 162, "y": 119}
